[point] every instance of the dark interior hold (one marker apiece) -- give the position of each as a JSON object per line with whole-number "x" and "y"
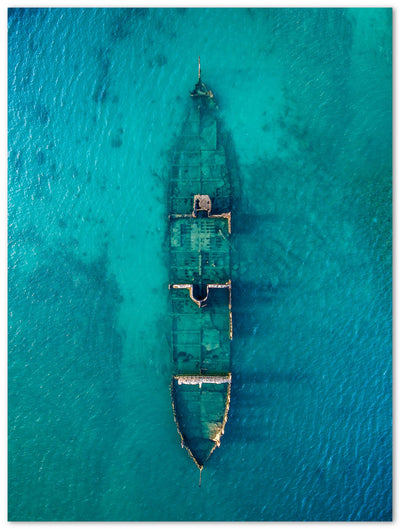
{"x": 199, "y": 291}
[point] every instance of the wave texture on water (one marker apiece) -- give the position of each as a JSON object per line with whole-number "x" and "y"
{"x": 95, "y": 97}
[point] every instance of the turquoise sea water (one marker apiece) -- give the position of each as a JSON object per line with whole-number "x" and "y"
{"x": 96, "y": 97}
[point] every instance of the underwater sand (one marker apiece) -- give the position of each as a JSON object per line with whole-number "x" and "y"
{"x": 96, "y": 98}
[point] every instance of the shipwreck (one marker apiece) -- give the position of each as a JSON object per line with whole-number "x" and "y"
{"x": 200, "y": 201}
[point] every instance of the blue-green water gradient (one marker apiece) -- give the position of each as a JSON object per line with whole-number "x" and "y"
{"x": 96, "y": 97}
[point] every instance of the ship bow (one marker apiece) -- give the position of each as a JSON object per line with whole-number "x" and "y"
{"x": 201, "y": 405}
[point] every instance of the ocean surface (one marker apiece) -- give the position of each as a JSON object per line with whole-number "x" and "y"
{"x": 95, "y": 100}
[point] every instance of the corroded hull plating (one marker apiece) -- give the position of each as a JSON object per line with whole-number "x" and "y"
{"x": 200, "y": 199}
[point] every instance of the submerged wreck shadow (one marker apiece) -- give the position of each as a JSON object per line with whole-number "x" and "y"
{"x": 257, "y": 391}
{"x": 249, "y": 294}
{"x": 250, "y": 298}
{"x": 251, "y": 223}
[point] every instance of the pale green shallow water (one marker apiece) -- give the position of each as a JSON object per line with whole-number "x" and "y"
{"x": 95, "y": 100}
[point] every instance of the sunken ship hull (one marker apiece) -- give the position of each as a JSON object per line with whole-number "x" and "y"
{"x": 200, "y": 199}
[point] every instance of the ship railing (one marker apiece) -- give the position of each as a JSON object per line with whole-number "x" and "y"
{"x": 203, "y": 379}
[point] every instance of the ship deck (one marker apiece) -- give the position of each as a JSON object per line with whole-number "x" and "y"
{"x": 200, "y": 285}
{"x": 199, "y": 250}
{"x": 200, "y": 337}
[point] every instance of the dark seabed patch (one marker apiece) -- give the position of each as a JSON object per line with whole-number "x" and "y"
{"x": 73, "y": 364}
{"x": 102, "y": 85}
{"x": 95, "y": 99}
